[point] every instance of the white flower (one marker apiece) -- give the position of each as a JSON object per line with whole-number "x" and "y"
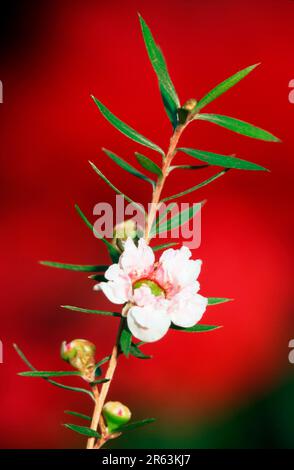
{"x": 157, "y": 294}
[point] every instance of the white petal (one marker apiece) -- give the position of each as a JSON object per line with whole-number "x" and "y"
{"x": 148, "y": 323}
{"x": 187, "y": 310}
{"x": 137, "y": 261}
{"x": 143, "y": 296}
{"x": 118, "y": 289}
{"x": 176, "y": 269}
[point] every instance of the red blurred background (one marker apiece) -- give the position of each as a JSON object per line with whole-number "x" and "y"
{"x": 53, "y": 55}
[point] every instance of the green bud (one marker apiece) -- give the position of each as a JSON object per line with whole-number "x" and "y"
{"x": 80, "y": 354}
{"x": 123, "y": 231}
{"x": 116, "y": 414}
{"x": 187, "y": 110}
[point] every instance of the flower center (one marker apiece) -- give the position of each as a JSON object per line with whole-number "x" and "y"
{"x": 153, "y": 286}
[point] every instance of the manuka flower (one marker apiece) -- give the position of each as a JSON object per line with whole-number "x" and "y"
{"x": 155, "y": 294}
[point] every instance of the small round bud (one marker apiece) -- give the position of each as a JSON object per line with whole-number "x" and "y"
{"x": 80, "y": 353}
{"x": 123, "y": 231}
{"x": 190, "y": 105}
{"x": 116, "y": 414}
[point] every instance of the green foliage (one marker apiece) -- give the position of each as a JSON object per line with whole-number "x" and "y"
{"x": 177, "y": 220}
{"x": 148, "y": 164}
{"x": 196, "y": 329}
{"x": 135, "y": 425}
{"x": 48, "y": 374}
{"x": 197, "y": 186}
{"x": 168, "y": 93}
{"x": 83, "y": 430}
{"x": 78, "y": 415}
{"x": 127, "y": 167}
{"x": 223, "y": 87}
{"x": 94, "y": 312}
{"x": 240, "y": 127}
{"x": 75, "y": 267}
{"x": 218, "y": 300}
{"x": 226, "y": 161}
{"x": 125, "y": 129}
{"x": 125, "y": 340}
{"x": 113, "y": 252}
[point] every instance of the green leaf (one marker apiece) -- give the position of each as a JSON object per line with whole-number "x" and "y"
{"x": 83, "y": 430}
{"x": 52, "y": 382}
{"x": 196, "y": 328}
{"x": 135, "y": 425}
{"x": 167, "y": 89}
{"x": 48, "y": 374}
{"x": 75, "y": 267}
{"x": 226, "y": 161}
{"x": 94, "y": 312}
{"x": 125, "y": 340}
{"x": 162, "y": 216}
{"x": 103, "y": 361}
{"x": 194, "y": 188}
{"x": 125, "y": 129}
{"x": 126, "y": 166}
{"x": 218, "y": 300}
{"x": 240, "y": 127}
{"x": 164, "y": 246}
{"x": 177, "y": 220}
{"x": 187, "y": 167}
{"x": 99, "y": 381}
{"x": 127, "y": 198}
{"x": 148, "y": 164}
{"x": 224, "y": 86}
{"x": 78, "y": 415}
{"x": 136, "y": 352}
{"x": 113, "y": 252}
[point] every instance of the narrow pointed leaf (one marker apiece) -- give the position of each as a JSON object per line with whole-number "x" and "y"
{"x": 125, "y": 129}
{"x": 94, "y": 312}
{"x": 163, "y": 215}
{"x": 126, "y": 166}
{"x": 148, "y": 164}
{"x": 136, "y": 352}
{"x": 197, "y": 186}
{"x": 164, "y": 246}
{"x": 100, "y": 381}
{"x": 224, "y": 86}
{"x": 48, "y": 374}
{"x": 240, "y": 127}
{"x": 52, "y": 382}
{"x": 135, "y": 425}
{"x": 177, "y": 220}
{"x": 97, "y": 277}
{"x": 75, "y": 267}
{"x": 113, "y": 252}
{"x": 83, "y": 430}
{"x": 186, "y": 167}
{"x": 196, "y": 328}
{"x": 125, "y": 340}
{"x": 103, "y": 361}
{"x": 167, "y": 89}
{"x": 78, "y": 415}
{"x": 218, "y": 300}
{"x": 227, "y": 161}
{"x": 127, "y": 198}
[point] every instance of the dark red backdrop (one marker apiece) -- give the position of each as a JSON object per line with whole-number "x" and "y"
{"x": 52, "y": 58}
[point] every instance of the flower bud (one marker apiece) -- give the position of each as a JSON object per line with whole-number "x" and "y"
{"x": 80, "y": 353}
{"x": 187, "y": 110}
{"x": 116, "y": 414}
{"x": 123, "y": 231}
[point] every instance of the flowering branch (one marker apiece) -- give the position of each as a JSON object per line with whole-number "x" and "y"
{"x": 155, "y": 295}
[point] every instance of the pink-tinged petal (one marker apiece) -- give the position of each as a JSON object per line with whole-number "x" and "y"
{"x": 187, "y": 310}
{"x": 118, "y": 289}
{"x": 137, "y": 261}
{"x": 176, "y": 269}
{"x": 148, "y": 323}
{"x": 143, "y": 296}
